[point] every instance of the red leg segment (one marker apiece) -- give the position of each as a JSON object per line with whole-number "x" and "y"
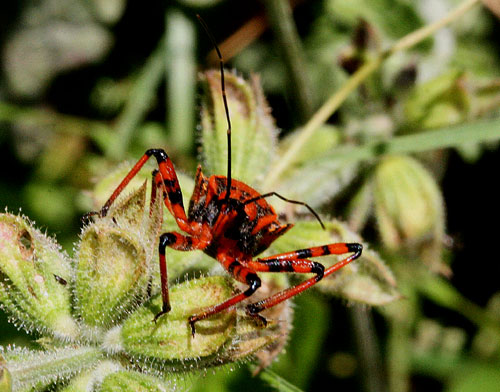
{"x": 293, "y": 262}
{"x": 165, "y": 178}
{"x": 176, "y": 241}
{"x": 285, "y": 262}
{"x": 241, "y": 273}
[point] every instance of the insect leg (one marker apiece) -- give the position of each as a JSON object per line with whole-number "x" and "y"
{"x": 296, "y": 262}
{"x": 244, "y": 275}
{"x": 176, "y": 241}
{"x": 165, "y": 177}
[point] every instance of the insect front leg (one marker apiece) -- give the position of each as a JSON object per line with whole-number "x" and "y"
{"x": 164, "y": 178}
{"x": 296, "y": 261}
{"x": 175, "y": 241}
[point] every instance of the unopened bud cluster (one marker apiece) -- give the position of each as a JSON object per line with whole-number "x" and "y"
{"x": 95, "y": 312}
{"x": 101, "y": 307}
{"x": 408, "y": 206}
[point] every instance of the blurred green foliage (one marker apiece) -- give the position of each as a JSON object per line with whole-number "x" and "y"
{"x": 82, "y": 90}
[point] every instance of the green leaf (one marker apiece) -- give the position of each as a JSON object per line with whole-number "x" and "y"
{"x": 446, "y": 137}
{"x": 317, "y": 181}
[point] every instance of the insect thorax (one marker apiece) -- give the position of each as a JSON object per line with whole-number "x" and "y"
{"x": 246, "y": 228}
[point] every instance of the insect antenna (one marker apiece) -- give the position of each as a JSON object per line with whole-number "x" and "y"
{"x": 265, "y": 195}
{"x": 226, "y": 107}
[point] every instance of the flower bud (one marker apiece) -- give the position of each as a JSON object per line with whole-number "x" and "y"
{"x": 408, "y": 205}
{"x": 114, "y": 260}
{"x": 34, "y": 279}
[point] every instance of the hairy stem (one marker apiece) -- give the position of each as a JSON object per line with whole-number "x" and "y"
{"x": 37, "y": 369}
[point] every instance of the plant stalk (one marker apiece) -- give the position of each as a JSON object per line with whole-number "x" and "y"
{"x": 368, "y": 350}
{"x": 280, "y": 17}
{"x": 180, "y": 73}
{"x": 334, "y": 102}
{"x": 34, "y": 370}
{"x": 138, "y": 103}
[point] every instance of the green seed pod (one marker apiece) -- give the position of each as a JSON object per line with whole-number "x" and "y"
{"x": 112, "y": 375}
{"x": 254, "y": 139}
{"x": 170, "y": 338}
{"x": 34, "y": 279}
{"x": 129, "y": 381}
{"x": 178, "y": 262}
{"x": 408, "y": 205}
{"x": 168, "y": 343}
{"x": 114, "y": 260}
{"x": 440, "y": 102}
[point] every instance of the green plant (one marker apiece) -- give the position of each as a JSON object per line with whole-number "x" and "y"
{"x": 381, "y": 159}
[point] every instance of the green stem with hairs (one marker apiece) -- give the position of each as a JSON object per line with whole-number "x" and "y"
{"x": 34, "y": 370}
{"x": 276, "y": 381}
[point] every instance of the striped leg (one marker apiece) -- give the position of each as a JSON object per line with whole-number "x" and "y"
{"x": 166, "y": 178}
{"x": 175, "y": 241}
{"x": 241, "y": 273}
{"x": 296, "y": 261}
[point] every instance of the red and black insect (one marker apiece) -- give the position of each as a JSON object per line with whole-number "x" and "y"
{"x": 233, "y": 223}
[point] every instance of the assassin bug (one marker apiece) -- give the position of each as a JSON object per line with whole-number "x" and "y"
{"x": 232, "y": 223}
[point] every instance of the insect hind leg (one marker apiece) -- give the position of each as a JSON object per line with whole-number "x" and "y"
{"x": 244, "y": 275}
{"x": 296, "y": 262}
